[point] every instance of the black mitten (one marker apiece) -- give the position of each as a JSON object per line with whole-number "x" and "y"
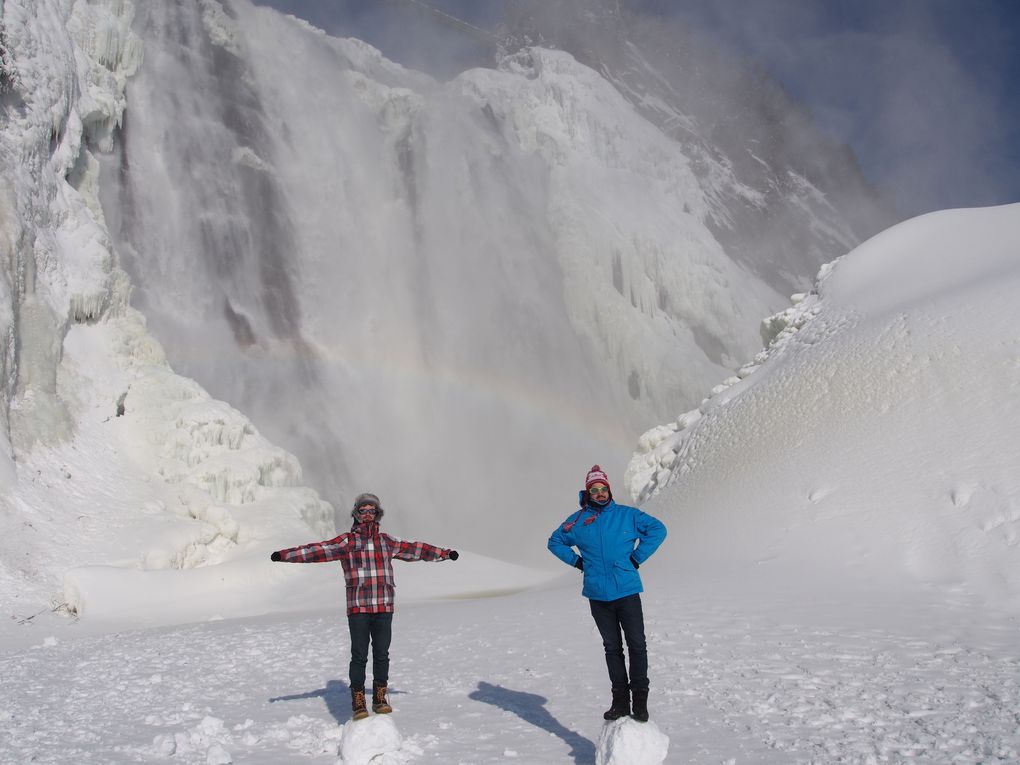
{"x": 579, "y": 564}
{"x": 634, "y": 561}
{"x": 453, "y": 555}
{"x": 276, "y": 556}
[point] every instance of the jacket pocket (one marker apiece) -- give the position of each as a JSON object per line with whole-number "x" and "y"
{"x": 626, "y": 576}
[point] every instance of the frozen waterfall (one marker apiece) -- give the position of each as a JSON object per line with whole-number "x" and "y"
{"x": 386, "y": 272}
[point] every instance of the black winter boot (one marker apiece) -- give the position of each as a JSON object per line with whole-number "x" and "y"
{"x": 359, "y": 710}
{"x": 379, "y": 704}
{"x": 621, "y": 704}
{"x": 640, "y": 704}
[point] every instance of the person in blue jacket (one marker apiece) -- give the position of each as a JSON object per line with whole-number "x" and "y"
{"x": 611, "y": 542}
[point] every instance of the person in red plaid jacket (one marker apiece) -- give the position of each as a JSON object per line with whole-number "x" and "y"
{"x": 365, "y": 553}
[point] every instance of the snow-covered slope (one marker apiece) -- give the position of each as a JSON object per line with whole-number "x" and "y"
{"x": 874, "y": 442}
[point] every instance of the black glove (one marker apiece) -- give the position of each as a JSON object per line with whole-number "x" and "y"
{"x": 453, "y": 555}
{"x": 579, "y": 564}
{"x": 633, "y": 560}
{"x": 276, "y": 556}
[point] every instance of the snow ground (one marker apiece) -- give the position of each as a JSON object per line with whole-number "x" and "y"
{"x": 737, "y": 678}
{"x": 859, "y": 492}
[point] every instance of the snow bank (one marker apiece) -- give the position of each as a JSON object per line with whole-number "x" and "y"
{"x": 239, "y": 588}
{"x": 874, "y": 440}
{"x": 628, "y": 742}
{"x": 661, "y": 449}
{"x": 250, "y": 584}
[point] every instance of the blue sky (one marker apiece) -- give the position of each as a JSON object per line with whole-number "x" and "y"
{"x": 925, "y": 91}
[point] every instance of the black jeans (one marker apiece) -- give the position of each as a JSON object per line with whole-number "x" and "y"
{"x": 378, "y": 627}
{"x": 610, "y": 617}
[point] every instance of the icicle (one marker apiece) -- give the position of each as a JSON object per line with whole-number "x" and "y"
{"x": 88, "y": 308}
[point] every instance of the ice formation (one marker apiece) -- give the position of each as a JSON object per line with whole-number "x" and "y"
{"x": 87, "y": 389}
{"x": 414, "y": 265}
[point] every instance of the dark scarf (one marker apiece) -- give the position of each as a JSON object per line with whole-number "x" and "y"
{"x": 366, "y": 529}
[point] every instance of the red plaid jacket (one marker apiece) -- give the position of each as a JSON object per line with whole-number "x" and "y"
{"x": 365, "y": 554}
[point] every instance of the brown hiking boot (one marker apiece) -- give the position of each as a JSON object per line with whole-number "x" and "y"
{"x": 620, "y": 706}
{"x": 358, "y": 708}
{"x": 379, "y": 705}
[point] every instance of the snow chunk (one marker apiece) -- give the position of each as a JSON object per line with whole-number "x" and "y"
{"x": 628, "y": 742}
{"x": 246, "y": 156}
{"x": 363, "y": 741}
{"x": 209, "y": 735}
{"x": 221, "y": 28}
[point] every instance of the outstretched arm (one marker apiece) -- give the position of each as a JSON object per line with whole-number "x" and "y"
{"x": 421, "y": 551}
{"x": 316, "y": 552}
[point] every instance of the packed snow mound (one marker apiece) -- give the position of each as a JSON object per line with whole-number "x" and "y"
{"x": 373, "y": 740}
{"x": 628, "y": 742}
{"x": 875, "y": 438}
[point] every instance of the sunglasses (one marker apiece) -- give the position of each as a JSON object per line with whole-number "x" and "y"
{"x": 368, "y": 509}
{"x": 598, "y": 490}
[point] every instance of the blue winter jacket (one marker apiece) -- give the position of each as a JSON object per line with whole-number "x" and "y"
{"x": 607, "y": 544}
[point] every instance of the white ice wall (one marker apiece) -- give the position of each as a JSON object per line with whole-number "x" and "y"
{"x": 112, "y": 458}
{"x": 385, "y": 271}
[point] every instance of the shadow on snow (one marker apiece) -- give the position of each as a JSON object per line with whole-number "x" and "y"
{"x": 336, "y": 694}
{"x": 530, "y": 707}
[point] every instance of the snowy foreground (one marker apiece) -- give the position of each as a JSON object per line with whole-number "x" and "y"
{"x": 737, "y": 678}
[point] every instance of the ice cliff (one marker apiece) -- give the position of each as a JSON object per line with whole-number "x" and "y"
{"x": 98, "y": 432}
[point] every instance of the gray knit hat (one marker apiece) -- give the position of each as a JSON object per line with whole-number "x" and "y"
{"x": 364, "y": 499}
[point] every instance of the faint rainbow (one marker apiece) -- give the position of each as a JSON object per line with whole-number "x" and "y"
{"x": 407, "y": 367}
